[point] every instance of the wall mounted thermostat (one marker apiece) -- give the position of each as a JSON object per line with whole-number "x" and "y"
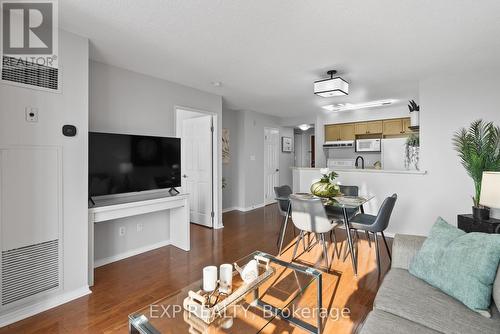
{"x": 69, "y": 130}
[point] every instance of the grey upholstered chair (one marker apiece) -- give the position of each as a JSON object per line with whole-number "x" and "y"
{"x": 309, "y": 216}
{"x": 376, "y": 224}
{"x": 282, "y": 197}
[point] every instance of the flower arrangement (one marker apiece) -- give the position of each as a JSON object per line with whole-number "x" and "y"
{"x": 326, "y": 187}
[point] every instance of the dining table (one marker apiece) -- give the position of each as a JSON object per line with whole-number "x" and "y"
{"x": 342, "y": 202}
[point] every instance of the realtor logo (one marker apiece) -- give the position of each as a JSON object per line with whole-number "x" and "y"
{"x": 29, "y": 30}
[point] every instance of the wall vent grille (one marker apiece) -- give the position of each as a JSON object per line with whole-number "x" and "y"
{"x": 26, "y": 73}
{"x": 29, "y": 270}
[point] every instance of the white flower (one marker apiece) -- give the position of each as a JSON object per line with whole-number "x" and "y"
{"x": 324, "y": 171}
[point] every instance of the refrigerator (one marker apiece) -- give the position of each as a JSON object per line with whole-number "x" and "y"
{"x": 393, "y": 153}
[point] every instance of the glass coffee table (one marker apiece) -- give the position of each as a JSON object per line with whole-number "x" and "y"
{"x": 289, "y": 299}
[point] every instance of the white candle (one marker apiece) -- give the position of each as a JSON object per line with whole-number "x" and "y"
{"x": 209, "y": 278}
{"x": 226, "y": 277}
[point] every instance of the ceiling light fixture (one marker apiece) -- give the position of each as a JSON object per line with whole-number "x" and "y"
{"x": 356, "y": 106}
{"x": 331, "y": 87}
{"x": 304, "y": 127}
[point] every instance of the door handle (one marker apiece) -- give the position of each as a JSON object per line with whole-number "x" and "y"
{"x": 277, "y": 169}
{"x": 184, "y": 176}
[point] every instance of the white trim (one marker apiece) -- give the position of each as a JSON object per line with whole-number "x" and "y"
{"x": 278, "y": 149}
{"x": 33, "y": 309}
{"x": 250, "y": 208}
{"x": 130, "y": 253}
{"x": 229, "y": 209}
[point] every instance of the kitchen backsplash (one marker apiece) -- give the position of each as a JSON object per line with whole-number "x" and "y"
{"x": 347, "y": 153}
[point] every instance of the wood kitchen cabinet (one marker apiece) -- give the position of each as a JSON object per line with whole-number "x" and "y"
{"x": 365, "y": 128}
{"x": 397, "y": 126}
{"x": 332, "y": 132}
{"x": 347, "y": 132}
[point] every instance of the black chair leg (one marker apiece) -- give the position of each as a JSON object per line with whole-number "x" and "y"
{"x": 301, "y": 236}
{"x": 386, "y": 246}
{"x": 280, "y": 233}
{"x": 369, "y": 239}
{"x": 377, "y": 249}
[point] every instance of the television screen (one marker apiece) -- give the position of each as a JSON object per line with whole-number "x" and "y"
{"x": 128, "y": 163}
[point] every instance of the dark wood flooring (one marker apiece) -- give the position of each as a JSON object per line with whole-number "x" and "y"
{"x": 128, "y": 285}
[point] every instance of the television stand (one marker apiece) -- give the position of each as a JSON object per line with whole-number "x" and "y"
{"x": 109, "y": 208}
{"x": 172, "y": 191}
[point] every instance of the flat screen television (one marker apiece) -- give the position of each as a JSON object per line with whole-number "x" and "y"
{"x": 120, "y": 163}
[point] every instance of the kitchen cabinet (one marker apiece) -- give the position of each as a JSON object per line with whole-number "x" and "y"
{"x": 365, "y": 128}
{"x": 396, "y": 126}
{"x": 332, "y": 132}
{"x": 347, "y": 132}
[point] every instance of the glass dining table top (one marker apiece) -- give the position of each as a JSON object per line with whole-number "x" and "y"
{"x": 341, "y": 201}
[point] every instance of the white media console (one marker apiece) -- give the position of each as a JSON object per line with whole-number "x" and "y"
{"x": 109, "y": 208}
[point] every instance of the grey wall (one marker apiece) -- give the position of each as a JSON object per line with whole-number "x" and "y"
{"x": 245, "y": 175}
{"x": 122, "y": 101}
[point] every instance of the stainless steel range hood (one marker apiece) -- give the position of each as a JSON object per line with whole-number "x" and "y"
{"x": 339, "y": 144}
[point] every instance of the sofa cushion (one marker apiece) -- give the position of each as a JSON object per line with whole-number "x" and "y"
{"x": 496, "y": 290}
{"x": 411, "y": 298}
{"x": 463, "y": 265}
{"x": 380, "y": 322}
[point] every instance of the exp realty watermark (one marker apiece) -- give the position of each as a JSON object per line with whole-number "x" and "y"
{"x": 29, "y": 32}
{"x": 248, "y": 312}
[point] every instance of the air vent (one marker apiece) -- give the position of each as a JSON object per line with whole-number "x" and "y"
{"x": 29, "y": 270}
{"x": 15, "y": 70}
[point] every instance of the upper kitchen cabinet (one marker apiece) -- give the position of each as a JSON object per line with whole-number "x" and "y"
{"x": 397, "y": 126}
{"x": 347, "y": 132}
{"x": 332, "y": 132}
{"x": 366, "y": 128}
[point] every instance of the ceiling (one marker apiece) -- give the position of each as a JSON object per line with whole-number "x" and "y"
{"x": 267, "y": 53}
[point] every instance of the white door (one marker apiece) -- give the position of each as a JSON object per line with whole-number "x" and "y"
{"x": 196, "y": 166}
{"x": 271, "y": 163}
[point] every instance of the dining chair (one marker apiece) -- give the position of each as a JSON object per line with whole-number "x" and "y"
{"x": 376, "y": 224}
{"x": 309, "y": 216}
{"x": 282, "y": 197}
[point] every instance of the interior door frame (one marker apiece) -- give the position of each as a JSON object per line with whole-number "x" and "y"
{"x": 216, "y": 207}
{"x": 264, "y": 160}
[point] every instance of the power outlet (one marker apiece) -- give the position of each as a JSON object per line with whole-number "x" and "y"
{"x": 121, "y": 231}
{"x": 140, "y": 227}
{"x": 31, "y": 114}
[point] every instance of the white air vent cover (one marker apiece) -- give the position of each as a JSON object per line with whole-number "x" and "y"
{"x": 29, "y": 270}
{"x": 22, "y": 73}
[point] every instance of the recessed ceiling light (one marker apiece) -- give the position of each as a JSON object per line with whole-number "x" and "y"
{"x": 216, "y": 83}
{"x": 356, "y": 106}
{"x": 304, "y": 127}
{"x": 331, "y": 87}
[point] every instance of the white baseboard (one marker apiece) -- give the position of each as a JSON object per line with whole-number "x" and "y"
{"x": 229, "y": 209}
{"x": 133, "y": 252}
{"x": 41, "y": 306}
{"x": 250, "y": 208}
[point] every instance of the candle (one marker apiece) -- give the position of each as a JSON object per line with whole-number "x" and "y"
{"x": 226, "y": 277}
{"x": 209, "y": 278}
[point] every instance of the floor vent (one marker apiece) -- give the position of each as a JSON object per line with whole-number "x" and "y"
{"x": 29, "y": 270}
{"x": 15, "y": 70}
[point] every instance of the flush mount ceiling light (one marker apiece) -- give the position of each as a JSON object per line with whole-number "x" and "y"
{"x": 356, "y": 106}
{"x": 331, "y": 87}
{"x": 304, "y": 127}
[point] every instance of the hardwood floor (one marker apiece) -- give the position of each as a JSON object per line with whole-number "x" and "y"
{"x": 125, "y": 286}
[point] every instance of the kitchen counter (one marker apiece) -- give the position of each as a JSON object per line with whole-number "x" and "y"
{"x": 366, "y": 170}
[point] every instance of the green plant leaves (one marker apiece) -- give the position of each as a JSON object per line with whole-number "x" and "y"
{"x": 479, "y": 150}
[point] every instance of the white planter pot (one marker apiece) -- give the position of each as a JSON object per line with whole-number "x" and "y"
{"x": 415, "y": 118}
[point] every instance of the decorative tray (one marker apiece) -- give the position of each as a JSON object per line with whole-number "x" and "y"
{"x": 208, "y": 306}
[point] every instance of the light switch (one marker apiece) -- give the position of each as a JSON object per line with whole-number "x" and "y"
{"x": 31, "y": 114}
{"x": 252, "y": 157}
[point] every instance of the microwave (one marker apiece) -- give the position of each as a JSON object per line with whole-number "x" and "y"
{"x": 368, "y": 145}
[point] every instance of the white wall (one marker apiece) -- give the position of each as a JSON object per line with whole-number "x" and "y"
{"x": 302, "y": 146}
{"x": 245, "y": 174}
{"x": 55, "y": 110}
{"x": 122, "y": 101}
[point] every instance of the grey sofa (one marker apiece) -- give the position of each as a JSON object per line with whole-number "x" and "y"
{"x": 406, "y": 304}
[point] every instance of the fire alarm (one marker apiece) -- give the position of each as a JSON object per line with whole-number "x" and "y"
{"x": 69, "y": 130}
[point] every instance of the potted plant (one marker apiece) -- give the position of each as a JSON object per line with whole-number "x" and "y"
{"x": 326, "y": 187}
{"x": 412, "y": 151}
{"x": 414, "y": 112}
{"x": 479, "y": 150}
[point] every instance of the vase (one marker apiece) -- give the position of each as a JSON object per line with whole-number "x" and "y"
{"x": 481, "y": 213}
{"x": 324, "y": 189}
{"x": 415, "y": 118}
